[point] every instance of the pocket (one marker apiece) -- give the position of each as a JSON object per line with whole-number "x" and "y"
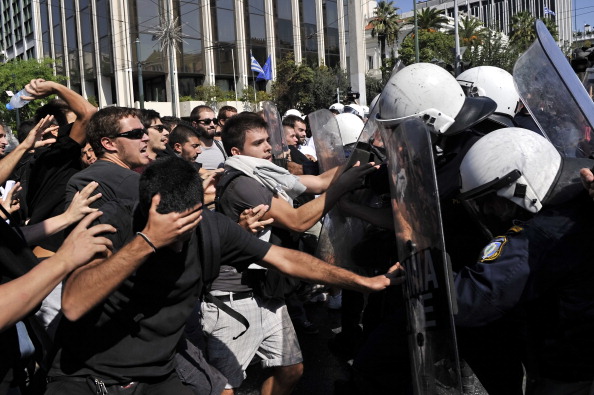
{"x": 210, "y": 317}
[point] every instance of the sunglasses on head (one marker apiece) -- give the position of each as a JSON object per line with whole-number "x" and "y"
{"x": 159, "y": 128}
{"x": 134, "y": 134}
{"x": 207, "y": 121}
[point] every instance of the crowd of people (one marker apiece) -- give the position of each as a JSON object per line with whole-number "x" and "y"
{"x": 142, "y": 254}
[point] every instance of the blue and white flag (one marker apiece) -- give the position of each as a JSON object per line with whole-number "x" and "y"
{"x": 256, "y": 68}
{"x": 548, "y": 11}
{"x": 266, "y": 73}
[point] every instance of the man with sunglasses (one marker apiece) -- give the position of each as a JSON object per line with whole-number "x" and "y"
{"x": 120, "y": 143}
{"x": 213, "y": 154}
{"x": 157, "y": 144}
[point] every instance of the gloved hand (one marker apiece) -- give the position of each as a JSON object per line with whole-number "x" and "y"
{"x": 354, "y": 177}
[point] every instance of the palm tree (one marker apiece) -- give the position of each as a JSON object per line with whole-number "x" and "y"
{"x": 385, "y": 26}
{"x": 522, "y": 30}
{"x": 430, "y": 19}
{"x": 470, "y": 31}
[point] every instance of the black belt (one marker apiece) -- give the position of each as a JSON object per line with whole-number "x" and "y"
{"x": 236, "y": 296}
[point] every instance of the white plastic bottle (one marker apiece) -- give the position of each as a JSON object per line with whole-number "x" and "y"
{"x": 17, "y": 100}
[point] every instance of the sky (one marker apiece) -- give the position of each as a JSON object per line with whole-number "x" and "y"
{"x": 583, "y": 12}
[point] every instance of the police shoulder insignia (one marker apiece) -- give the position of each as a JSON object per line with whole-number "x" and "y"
{"x": 515, "y": 229}
{"x": 493, "y": 249}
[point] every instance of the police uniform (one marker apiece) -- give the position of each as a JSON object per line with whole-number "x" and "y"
{"x": 543, "y": 266}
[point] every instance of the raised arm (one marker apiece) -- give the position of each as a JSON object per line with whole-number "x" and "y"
{"x": 78, "y": 208}
{"x": 301, "y": 265}
{"x": 82, "y": 108}
{"x": 91, "y": 284}
{"x": 20, "y": 296}
{"x": 33, "y": 140}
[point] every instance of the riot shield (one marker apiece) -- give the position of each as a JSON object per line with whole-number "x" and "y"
{"x": 554, "y": 96}
{"x": 280, "y": 149}
{"x": 328, "y": 143}
{"x": 334, "y": 241}
{"x": 428, "y": 288}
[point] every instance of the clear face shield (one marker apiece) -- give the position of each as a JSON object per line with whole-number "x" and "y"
{"x": 493, "y": 213}
{"x": 555, "y": 97}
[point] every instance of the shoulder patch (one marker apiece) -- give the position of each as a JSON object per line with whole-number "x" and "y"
{"x": 515, "y": 229}
{"x": 493, "y": 249}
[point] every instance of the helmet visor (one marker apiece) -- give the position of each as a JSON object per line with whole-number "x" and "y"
{"x": 473, "y": 111}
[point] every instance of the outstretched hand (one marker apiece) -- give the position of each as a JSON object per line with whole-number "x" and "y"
{"x": 35, "y": 138}
{"x": 249, "y": 219}
{"x": 394, "y": 276}
{"x": 165, "y": 229}
{"x": 11, "y": 202}
{"x": 81, "y": 202}
{"x": 84, "y": 244}
{"x": 354, "y": 177}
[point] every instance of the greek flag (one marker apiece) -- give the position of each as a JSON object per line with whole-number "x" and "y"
{"x": 256, "y": 68}
{"x": 548, "y": 11}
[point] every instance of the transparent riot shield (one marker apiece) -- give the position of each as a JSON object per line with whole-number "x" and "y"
{"x": 280, "y": 149}
{"x": 554, "y": 96}
{"x": 335, "y": 239}
{"x": 428, "y": 288}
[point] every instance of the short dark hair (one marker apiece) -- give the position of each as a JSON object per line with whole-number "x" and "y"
{"x": 195, "y": 114}
{"x": 147, "y": 116}
{"x": 223, "y": 112}
{"x": 181, "y": 134}
{"x": 233, "y": 133}
{"x": 290, "y": 120}
{"x": 170, "y": 122}
{"x": 56, "y": 107}
{"x": 176, "y": 180}
{"x": 106, "y": 123}
{"x": 24, "y": 128}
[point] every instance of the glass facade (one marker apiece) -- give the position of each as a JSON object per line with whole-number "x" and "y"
{"x": 332, "y": 55}
{"x": 309, "y": 33}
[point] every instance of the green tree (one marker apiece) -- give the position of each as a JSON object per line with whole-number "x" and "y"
{"x": 522, "y": 32}
{"x": 492, "y": 51}
{"x": 14, "y": 75}
{"x": 435, "y": 47}
{"x": 291, "y": 88}
{"x": 385, "y": 26}
{"x": 429, "y": 19}
{"x": 471, "y": 31}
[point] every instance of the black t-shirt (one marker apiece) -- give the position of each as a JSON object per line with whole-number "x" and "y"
{"x": 115, "y": 182}
{"x": 47, "y": 183}
{"x": 16, "y": 259}
{"x": 132, "y": 335}
{"x": 242, "y": 193}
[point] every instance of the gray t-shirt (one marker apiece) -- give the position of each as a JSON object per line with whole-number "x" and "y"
{"x": 242, "y": 193}
{"x": 212, "y": 157}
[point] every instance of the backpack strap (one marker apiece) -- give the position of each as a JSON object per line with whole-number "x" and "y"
{"x": 220, "y": 147}
{"x": 228, "y": 175}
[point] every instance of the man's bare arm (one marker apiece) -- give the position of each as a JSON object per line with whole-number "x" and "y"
{"x": 78, "y": 104}
{"x": 89, "y": 285}
{"x": 306, "y": 267}
{"x": 33, "y": 140}
{"x": 20, "y": 296}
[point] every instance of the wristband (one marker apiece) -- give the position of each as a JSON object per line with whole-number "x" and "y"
{"x": 145, "y": 237}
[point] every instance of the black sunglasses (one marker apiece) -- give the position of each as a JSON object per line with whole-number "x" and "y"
{"x": 134, "y": 134}
{"x": 159, "y": 128}
{"x": 207, "y": 121}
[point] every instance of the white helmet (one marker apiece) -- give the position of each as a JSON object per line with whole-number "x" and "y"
{"x": 354, "y": 109}
{"x": 338, "y": 107}
{"x": 293, "y": 111}
{"x": 350, "y": 127}
{"x": 495, "y": 83}
{"x": 517, "y": 164}
{"x": 429, "y": 92}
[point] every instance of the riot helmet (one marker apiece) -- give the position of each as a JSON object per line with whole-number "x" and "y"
{"x": 496, "y": 84}
{"x": 338, "y": 107}
{"x": 513, "y": 163}
{"x": 429, "y": 92}
{"x": 293, "y": 111}
{"x": 350, "y": 127}
{"x": 354, "y": 109}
